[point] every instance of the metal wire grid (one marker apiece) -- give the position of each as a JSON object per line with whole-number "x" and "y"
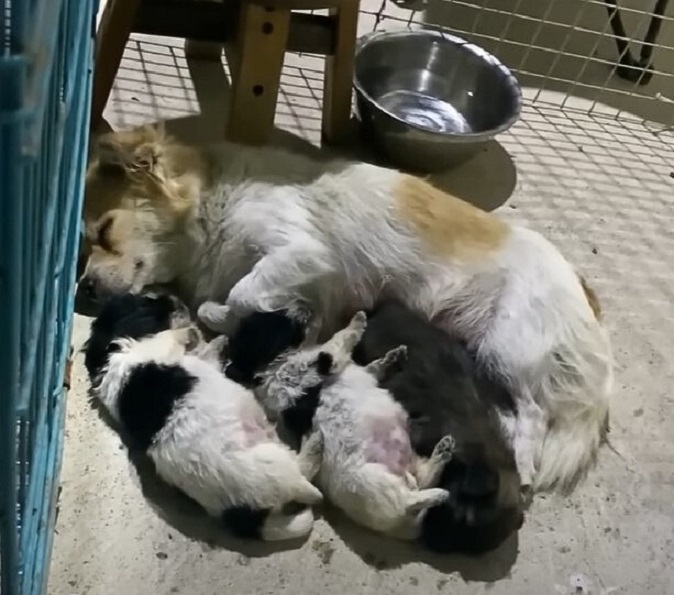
{"x": 45, "y": 80}
{"x": 563, "y": 51}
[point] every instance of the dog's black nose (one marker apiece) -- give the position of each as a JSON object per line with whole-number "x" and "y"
{"x": 88, "y": 287}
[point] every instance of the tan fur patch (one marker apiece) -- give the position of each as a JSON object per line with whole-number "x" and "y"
{"x": 142, "y": 168}
{"x": 448, "y": 224}
{"x": 592, "y": 298}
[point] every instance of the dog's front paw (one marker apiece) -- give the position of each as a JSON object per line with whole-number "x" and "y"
{"x": 216, "y": 317}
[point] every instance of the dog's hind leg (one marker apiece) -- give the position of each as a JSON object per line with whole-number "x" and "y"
{"x": 384, "y": 367}
{"x": 429, "y": 471}
{"x": 310, "y": 456}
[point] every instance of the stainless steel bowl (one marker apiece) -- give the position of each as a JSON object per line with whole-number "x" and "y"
{"x": 430, "y": 100}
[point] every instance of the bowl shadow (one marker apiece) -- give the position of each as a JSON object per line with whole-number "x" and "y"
{"x": 486, "y": 181}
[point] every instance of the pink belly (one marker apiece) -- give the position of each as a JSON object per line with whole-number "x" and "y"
{"x": 389, "y": 445}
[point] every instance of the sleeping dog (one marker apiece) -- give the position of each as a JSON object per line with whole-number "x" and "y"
{"x": 442, "y": 393}
{"x": 262, "y": 229}
{"x": 206, "y": 435}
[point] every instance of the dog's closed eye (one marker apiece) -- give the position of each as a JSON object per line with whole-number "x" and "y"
{"x": 103, "y": 234}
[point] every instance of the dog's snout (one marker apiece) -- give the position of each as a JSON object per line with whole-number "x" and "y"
{"x": 87, "y": 285}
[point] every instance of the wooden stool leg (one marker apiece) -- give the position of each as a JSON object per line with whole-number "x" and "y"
{"x": 113, "y": 33}
{"x": 260, "y": 48}
{"x": 203, "y": 50}
{"x": 339, "y": 74}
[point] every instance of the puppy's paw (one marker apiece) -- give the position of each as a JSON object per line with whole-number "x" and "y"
{"x": 444, "y": 449}
{"x": 358, "y": 322}
{"x": 396, "y": 356}
{"x": 189, "y": 337}
{"x": 194, "y": 338}
{"x": 300, "y": 311}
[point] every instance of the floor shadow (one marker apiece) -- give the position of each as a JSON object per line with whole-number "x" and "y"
{"x": 564, "y": 47}
{"x": 383, "y": 553}
{"x": 487, "y": 180}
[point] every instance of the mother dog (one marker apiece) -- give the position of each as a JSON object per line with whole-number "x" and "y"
{"x": 264, "y": 229}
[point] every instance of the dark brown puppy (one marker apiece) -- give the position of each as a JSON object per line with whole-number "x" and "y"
{"x": 443, "y": 392}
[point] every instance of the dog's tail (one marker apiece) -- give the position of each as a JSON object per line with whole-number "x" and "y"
{"x": 577, "y": 395}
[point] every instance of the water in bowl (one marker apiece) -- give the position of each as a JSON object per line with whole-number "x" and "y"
{"x": 424, "y": 111}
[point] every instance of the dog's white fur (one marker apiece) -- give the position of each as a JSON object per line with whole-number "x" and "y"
{"x": 367, "y": 467}
{"x": 217, "y": 445}
{"x": 264, "y": 229}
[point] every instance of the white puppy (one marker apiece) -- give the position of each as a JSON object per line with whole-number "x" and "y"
{"x": 263, "y": 230}
{"x": 367, "y": 466}
{"x": 206, "y": 435}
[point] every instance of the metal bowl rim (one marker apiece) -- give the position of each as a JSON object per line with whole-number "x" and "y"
{"x": 368, "y": 38}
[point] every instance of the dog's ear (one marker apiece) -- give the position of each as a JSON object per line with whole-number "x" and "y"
{"x": 130, "y": 153}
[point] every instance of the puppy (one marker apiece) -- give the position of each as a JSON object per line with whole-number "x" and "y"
{"x": 206, "y": 434}
{"x": 444, "y": 393}
{"x": 367, "y": 467}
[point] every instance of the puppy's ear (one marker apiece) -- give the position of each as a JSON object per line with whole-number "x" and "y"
{"x": 113, "y": 347}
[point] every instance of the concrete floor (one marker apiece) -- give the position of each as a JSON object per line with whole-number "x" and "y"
{"x": 603, "y": 190}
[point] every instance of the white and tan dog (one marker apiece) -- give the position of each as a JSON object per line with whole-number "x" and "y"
{"x": 263, "y": 229}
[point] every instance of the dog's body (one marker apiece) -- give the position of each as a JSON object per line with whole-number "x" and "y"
{"x": 444, "y": 393}
{"x": 367, "y": 468}
{"x": 262, "y": 230}
{"x": 206, "y": 435}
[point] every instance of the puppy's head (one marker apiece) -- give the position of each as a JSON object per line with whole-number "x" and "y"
{"x": 484, "y": 509}
{"x": 259, "y": 339}
{"x": 134, "y": 317}
{"x": 141, "y": 189}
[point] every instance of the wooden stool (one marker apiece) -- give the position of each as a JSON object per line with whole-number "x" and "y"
{"x": 258, "y": 33}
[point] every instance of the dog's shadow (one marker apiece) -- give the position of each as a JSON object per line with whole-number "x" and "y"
{"x": 384, "y": 553}
{"x": 181, "y": 512}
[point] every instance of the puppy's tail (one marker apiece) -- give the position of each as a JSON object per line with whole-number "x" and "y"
{"x": 577, "y": 393}
{"x": 294, "y": 521}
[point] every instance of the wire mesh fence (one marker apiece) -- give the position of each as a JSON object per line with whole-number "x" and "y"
{"x": 45, "y": 75}
{"x": 605, "y": 57}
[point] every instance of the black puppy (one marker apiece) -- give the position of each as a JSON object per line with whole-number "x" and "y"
{"x": 134, "y": 317}
{"x": 443, "y": 393}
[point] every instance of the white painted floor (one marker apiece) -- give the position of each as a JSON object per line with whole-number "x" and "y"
{"x": 603, "y": 190}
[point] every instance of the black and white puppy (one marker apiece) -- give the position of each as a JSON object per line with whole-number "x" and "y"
{"x": 444, "y": 392}
{"x": 367, "y": 467}
{"x": 206, "y": 434}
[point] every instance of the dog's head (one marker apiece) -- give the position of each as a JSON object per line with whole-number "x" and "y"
{"x": 141, "y": 190}
{"x": 134, "y": 317}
